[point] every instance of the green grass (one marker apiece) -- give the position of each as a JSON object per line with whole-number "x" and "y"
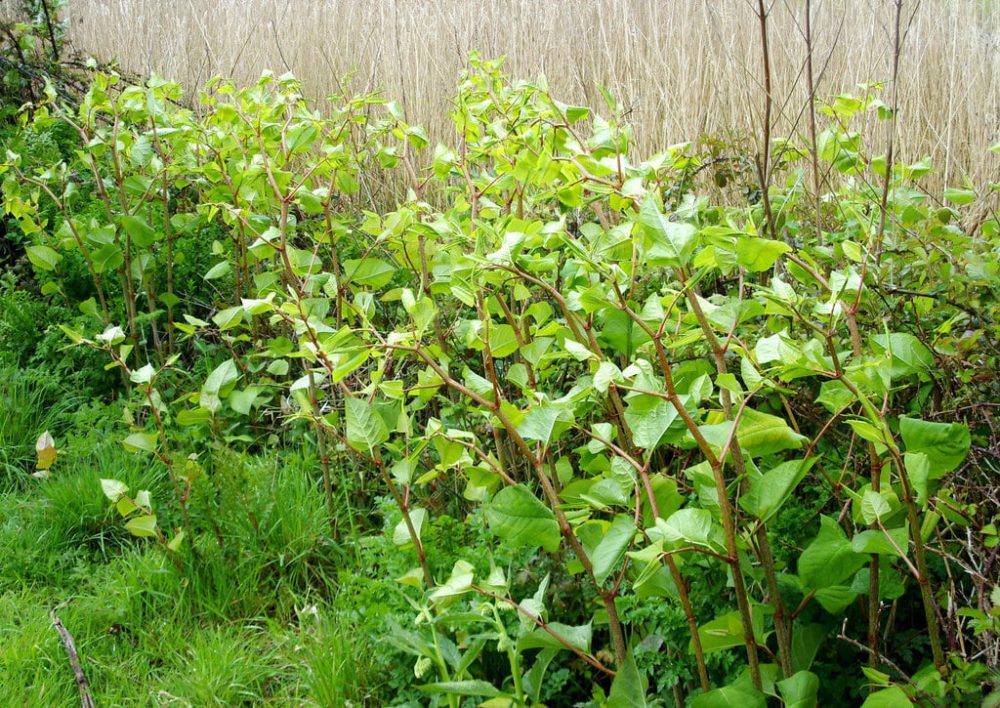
{"x": 256, "y": 619}
{"x": 27, "y": 408}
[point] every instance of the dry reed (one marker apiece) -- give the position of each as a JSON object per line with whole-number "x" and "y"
{"x": 683, "y": 67}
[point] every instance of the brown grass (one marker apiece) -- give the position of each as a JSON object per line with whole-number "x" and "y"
{"x": 683, "y": 67}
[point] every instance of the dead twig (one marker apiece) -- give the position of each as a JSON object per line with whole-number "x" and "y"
{"x": 86, "y": 699}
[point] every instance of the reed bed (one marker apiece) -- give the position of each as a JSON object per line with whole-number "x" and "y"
{"x": 683, "y": 68}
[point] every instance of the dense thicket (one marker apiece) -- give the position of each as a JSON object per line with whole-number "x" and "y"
{"x": 562, "y": 424}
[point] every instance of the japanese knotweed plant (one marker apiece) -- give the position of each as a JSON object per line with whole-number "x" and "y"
{"x": 636, "y": 388}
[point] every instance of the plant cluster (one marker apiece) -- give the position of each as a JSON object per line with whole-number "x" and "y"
{"x": 706, "y": 452}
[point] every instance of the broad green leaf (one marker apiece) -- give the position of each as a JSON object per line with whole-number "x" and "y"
{"x": 892, "y": 697}
{"x": 945, "y": 444}
{"x": 759, "y": 254}
{"x": 458, "y": 583}
{"x": 225, "y": 374}
{"x": 193, "y": 416}
{"x": 113, "y": 489}
{"x": 672, "y": 242}
{"x": 800, "y": 690}
{"x": 126, "y": 506}
{"x": 627, "y": 690}
{"x": 834, "y": 396}
{"x": 612, "y": 547}
{"x": 107, "y": 258}
{"x": 503, "y": 340}
{"x": 471, "y": 687}
{"x": 726, "y": 631}
{"x": 759, "y": 434}
{"x": 520, "y": 519}
{"x": 806, "y": 640}
{"x": 909, "y": 355}
{"x": 835, "y": 599}
{"x": 43, "y": 257}
{"x": 370, "y": 272}
{"x": 401, "y": 534}
{"x": 175, "y": 543}
{"x": 545, "y": 423}
{"x": 366, "y": 430}
{"x": 874, "y": 507}
{"x": 918, "y": 471}
{"x": 959, "y": 196}
{"x": 579, "y": 637}
{"x": 142, "y": 233}
{"x": 649, "y": 425}
{"x": 142, "y": 526}
{"x": 242, "y": 401}
{"x": 771, "y": 490}
{"x": 829, "y": 559}
{"x": 735, "y": 696}
{"x": 220, "y": 269}
{"x": 140, "y": 442}
{"x": 689, "y": 525}
{"x": 876, "y": 541}
{"x": 229, "y": 317}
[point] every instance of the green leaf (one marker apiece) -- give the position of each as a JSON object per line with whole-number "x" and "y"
{"x": 806, "y": 640}
{"x": 503, "y": 340}
{"x": 918, "y": 471}
{"x": 370, "y": 272}
{"x": 612, "y": 547}
{"x": 960, "y": 196}
{"x": 518, "y": 517}
{"x": 126, "y": 506}
{"x": 649, "y": 425}
{"x": 579, "y": 637}
{"x": 222, "y": 376}
{"x": 726, "y": 631}
{"x": 829, "y": 559}
{"x": 193, "y": 416}
{"x": 175, "y": 543}
{"x": 735, "y": 696}
{"x": 220, "y": 269}
{"x": 458, "y": 583}
{"x": 140, "y": 442}
{"x": 627, "y": 690}
{"x": 107, "y": 258}
{"x": 141, "y": 232}
{"x": 229, "y": 317}
{"x": 873, "y": 506}
{"x": 800, "y": 690}
{"x": 875, "y": 541}
{"x": 43, "y": 257}
{"x": 759, "y": 434}
{"x": 892, "y": 697}
{"x": 771, "y": 490}
{"x": 672, "y": 242}
{"x": 544, "y": 423}
{"x": 689, "y": 525}
{"x": 366, "y": 429}
{"x": 113, "y": 489}
{"x": 835, "y": 599}
{"x": 470, "y": 687}
{"x": 401, "y": 534}
{"x": 909, "y": 355}
{"x": 945, "y": 444}
{"x": 142, "y": 526}
{"x": 759, "y": 254}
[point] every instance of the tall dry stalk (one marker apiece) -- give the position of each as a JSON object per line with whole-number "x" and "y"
{"x": 672, "y": 63}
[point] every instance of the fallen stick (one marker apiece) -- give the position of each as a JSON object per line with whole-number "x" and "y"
{"x": 86, "y": 700}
